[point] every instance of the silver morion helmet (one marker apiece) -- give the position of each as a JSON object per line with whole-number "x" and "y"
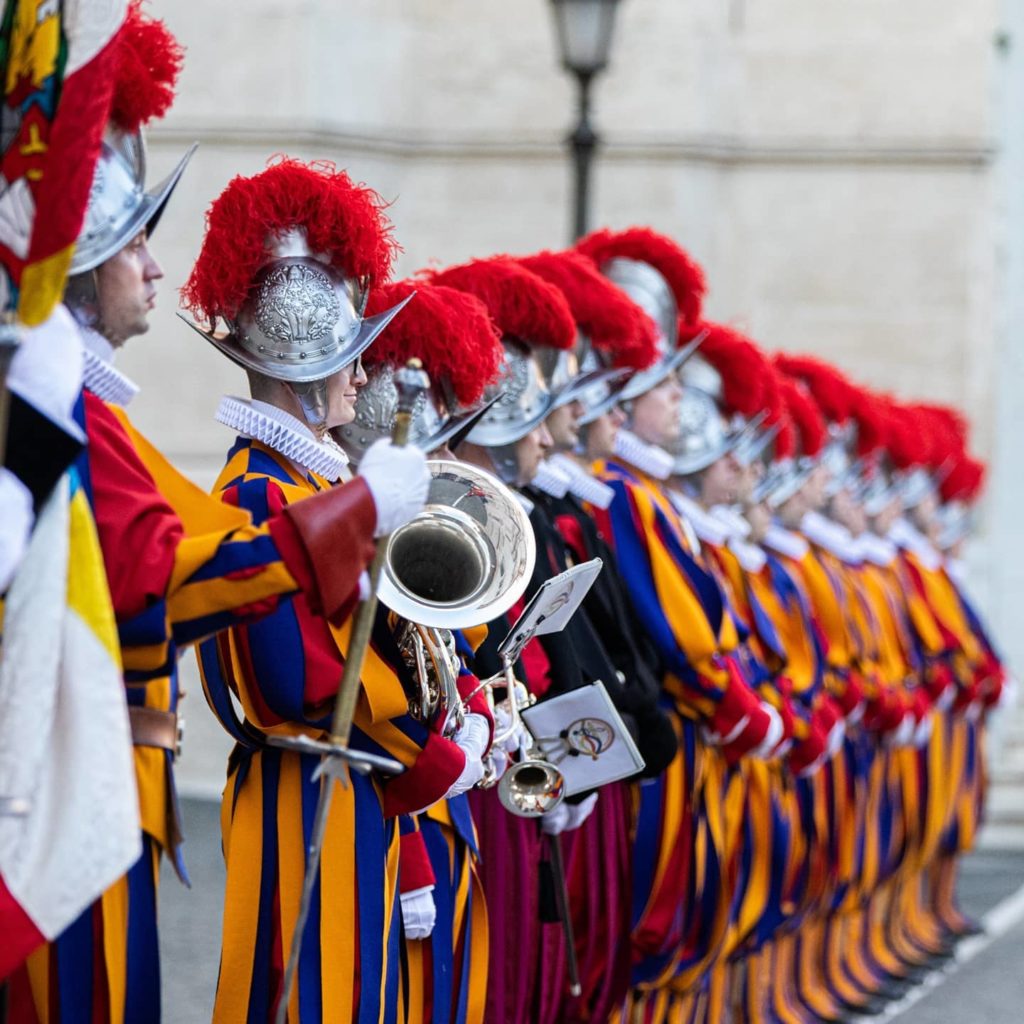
{"x": 119, "y": 205}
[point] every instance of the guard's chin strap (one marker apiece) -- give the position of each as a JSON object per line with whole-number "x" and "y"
{"x": 312, "y": 397}
{"x": 82, "y": 297}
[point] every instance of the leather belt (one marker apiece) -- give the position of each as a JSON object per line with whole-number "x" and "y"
{"x": 152, "y": 727}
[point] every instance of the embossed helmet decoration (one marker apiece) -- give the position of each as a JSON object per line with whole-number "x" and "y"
{"x": 660, "y": 278}
{"x": 452, "y": 333}
{"x": 530, "y": 314}
{"x": 287, "y": 265}
{"x": 147, "y": 61}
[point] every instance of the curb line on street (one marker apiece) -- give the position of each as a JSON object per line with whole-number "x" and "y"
{"x": 997, "y": 922}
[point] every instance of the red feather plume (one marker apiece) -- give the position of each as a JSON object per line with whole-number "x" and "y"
{"x": 830, "y": 389}
{"x": 683, "y": 274}
{"x": 785, "y": 439}
{"x": 743, "y": 367}
{"x": 522, "y": 304}
{"x": 965, "y": 481}
{"x": 450, "y": 331}
{"x": 604, "y": 313}
{"x": 903, "y": 437}
{"x": 341, "y": 219}
{"x": 807, "y": 418}
{"x": 872, "y": 427}
{"x": 149, "y": 60}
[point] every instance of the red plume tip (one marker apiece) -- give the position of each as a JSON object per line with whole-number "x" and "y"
{"x": 745, "y": 371}
{"x": 523, "y": 305}
{"x": 340, "y": 219}
{"x": 683, "y": 274}
{"x": 149, "y": 60}
{"x": 807, "y": 418}
{"x": 831, "y": 391}
{"x": 450, "y": 331}
{"x": 604, "y": 313}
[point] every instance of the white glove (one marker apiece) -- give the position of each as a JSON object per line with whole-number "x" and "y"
{"x": 499, "y": 762}
{"x": 772, "y": 738}
{"x": 1008, "y": 696}
{"x": 566, "y": 817}
{"x": 472, "y": 740}
{"x": 835, "y": 739}
{"x": 398, "y": 479}
{"x": 923, "y": 732}
{"x": 419, "y": 912}
{"x": 903, "y": 734}
{"x": 973, "y": 712}
{"x": 502, "y": 720}
{"x": 16, "y": 518}
{"x": 946, "y": 698}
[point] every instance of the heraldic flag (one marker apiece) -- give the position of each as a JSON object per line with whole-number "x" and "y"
{"x": 68, "y": 807}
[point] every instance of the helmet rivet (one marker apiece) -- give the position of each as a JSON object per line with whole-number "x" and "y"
{"x": 262, "y": 348}
{"x": 302, "y": 355}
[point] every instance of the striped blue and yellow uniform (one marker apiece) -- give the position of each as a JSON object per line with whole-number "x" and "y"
{"x": 285, "y": 670}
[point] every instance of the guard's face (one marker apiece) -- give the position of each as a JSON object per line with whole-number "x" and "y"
{"x": 656, "y": 412}
{"x": 564, "y": 426}
{"x": 760, "y": 518}
{"x": 924, "y": 514}
{"x": 530, "y": 452}
{"x": 720, "y": 482}
{"x": 601, "y": 434}
{"x": 342, "y": 390}
{"x": 813, "y": 490}
{"x": 848, "y": 512}
{"x": 748, "y": 478}
{"x": 126, "y": 291}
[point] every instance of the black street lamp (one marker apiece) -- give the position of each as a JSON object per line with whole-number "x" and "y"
{"x": 584, "y": 30}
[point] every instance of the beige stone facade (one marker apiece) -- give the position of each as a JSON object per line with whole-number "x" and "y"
{"x": 848, "y": 174}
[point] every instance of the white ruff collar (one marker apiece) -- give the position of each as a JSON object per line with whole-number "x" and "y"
{"x": 551, "y": 480}
{"x": 98, "y": 372}
{"x": 906, "y": 536}
{"x": 877, "y": 550}
{"x": 785, "y": 542}
{"x": 732, "y": 520}
{"x": 582, "y": 485}
{"x": 750, "y": 556}
{"x": 284, "y": 433}
{"x": 648, "y": 458}
{"x": 705, "y": 525}
{"x": 832, "y": 536}
{"x": 957, "y": 569}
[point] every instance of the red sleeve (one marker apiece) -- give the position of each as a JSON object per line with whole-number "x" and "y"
{"x": 138, "y": 530}
{"x": 437, "y": 767}
{"x": 414, "y": 868}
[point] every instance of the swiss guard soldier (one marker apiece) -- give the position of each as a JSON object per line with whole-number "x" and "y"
{"x": 613, "y": 334}
{"x": 445, "y": 934}
{"x": 682, "y": 904}
{"x": 179, "y": 566}
{"x": 284, "y": 264}
{"x": 511, "y": 440}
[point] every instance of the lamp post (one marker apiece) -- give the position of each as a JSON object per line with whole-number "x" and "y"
{"x": 584, "y": 29}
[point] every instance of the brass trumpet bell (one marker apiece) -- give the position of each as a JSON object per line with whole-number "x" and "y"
{"x": 531, "y": 788}
{"x": 466, "y": 558}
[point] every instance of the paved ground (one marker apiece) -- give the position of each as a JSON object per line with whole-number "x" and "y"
{"x": 987, "y": 989}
